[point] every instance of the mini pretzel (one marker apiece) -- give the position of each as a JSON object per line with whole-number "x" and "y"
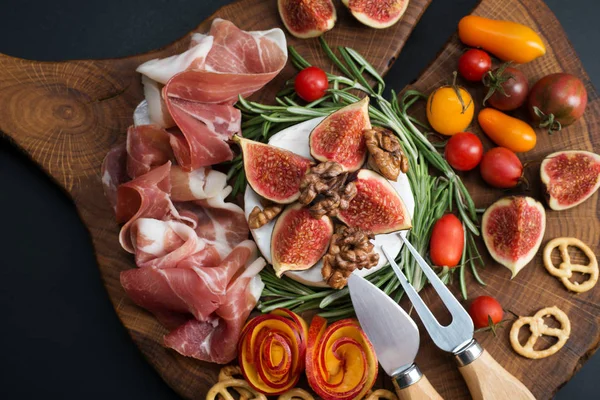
{"x": 296, "y": 393}
{"x": 222, "y": 388}
{"x": 539, "y": 328}
{"x": 230, "y": 372}
{"x": 381, "y": 394}
{"x": 565, "y": 269}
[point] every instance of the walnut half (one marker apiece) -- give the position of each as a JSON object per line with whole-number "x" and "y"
{"x": 260, "y": 217}
{"x": 350, "y": 249}
{"x": 385, "y": 152}
{"x": 325, "y": 187}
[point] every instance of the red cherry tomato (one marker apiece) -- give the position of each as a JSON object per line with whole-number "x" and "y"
{"x": 447, "y": 241}
{"x": 483, "y": 308}
{"x": 473, "y": 64}
{"x": 501, "y": 168}
{"x": 311, "y": 83}
{"x": 464, "y": 151}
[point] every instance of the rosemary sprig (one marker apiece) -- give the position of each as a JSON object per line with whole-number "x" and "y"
{"x": 434, "y": 195}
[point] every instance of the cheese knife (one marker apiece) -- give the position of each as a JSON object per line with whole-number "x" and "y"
{"x": 394, "y": 336}
{"x": 485, "y": 378}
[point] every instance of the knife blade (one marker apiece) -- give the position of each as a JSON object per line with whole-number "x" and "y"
{"x": 394, "y": 336}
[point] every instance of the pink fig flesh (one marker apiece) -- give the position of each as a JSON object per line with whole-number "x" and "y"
{"x": 273, "y": 173}
{"x": 377, "y": 14}
{"x": 513, "y": 229}
{"x": 340, "y": 138}
{"x": 299, "y": 241}
{"x": 307, "y": 18}
{"x": 570, "y": 178}
{"x": 377, "y": 206}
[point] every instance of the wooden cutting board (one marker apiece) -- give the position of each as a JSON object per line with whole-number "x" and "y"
{"x": 66, "y": 115}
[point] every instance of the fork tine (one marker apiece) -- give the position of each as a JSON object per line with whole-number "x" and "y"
{"x": 422, "y": 309}
{"x": 450, "y": 337}
{"x": 452, "y": 304}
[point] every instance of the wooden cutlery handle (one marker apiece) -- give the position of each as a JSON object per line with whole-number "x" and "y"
{"x": 421, "y": 390}
{"x": 487, "y": 380}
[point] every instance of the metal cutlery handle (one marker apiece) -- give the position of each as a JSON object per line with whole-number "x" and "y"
{"x": 411, "y": 384}
{"x": 486, "y": 378}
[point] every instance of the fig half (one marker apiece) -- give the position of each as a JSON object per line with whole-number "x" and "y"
{"x": 377, "y": 207}
{"x": 298, "y": 240}
{"x": 570, "y": 177}
{"x": 273, "y": 173}
{"x": 377, "y": 14}
{"x": 513, "y": 229}
{"x": 340, "y": 138}
{"x": 307, "y": 18}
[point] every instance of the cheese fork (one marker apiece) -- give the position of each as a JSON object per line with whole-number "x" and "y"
{"x": 485, "y": 378}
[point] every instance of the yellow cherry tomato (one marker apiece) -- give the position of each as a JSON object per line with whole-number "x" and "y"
{"x": 445, "y": 111}
{"x": 509, "y": 41}
{"x": 507, "y": 131}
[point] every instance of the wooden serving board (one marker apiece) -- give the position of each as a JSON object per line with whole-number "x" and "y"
{"x": 67, "y": 115}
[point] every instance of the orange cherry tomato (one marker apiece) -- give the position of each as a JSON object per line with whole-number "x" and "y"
{"x": 448, "y": 113}
{"x": 509, "y": 41}
{"x": 507, "y": 131}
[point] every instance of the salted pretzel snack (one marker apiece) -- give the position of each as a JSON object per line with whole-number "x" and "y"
{"x": 381, "y": 394}
{"x": 296, "y": 393}
{"x": 222, "y": 388}
{"x": 539, "y": 328}
{"x": 566, "y": 268}
{"x": 228, "y": 381}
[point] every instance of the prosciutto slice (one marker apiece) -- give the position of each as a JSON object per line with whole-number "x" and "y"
{"x": 147, "y": 196}
{"x": 148, "y": 146}
{"x": 202, "y": 84}
{"x": 199, "y": 184}
{"x": 215, "y": 340}
{"x": 217, "y": 221}
{"x": 239, "y": 63}
{"x": 189, "y": 288}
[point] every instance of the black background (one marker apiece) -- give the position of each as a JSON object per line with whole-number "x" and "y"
{"x": 59, "y": 336}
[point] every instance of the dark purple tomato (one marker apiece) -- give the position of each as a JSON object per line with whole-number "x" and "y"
{"x": 507, "y": 88}
{"x": 557, "y": 100}
{"x": 464, "y": 151}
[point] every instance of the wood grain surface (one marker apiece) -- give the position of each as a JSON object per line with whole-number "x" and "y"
{"x": 66, "y": 115}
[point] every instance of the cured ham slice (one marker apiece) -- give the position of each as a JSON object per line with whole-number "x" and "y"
{"x": 114, "y": 173}
{"x": 217, "y": 221}
{"x": 161, "y": 70}
{"x": 189, "y": 288}
{"x": 205, "y": 128}
{"x": 199, "y": 184}
{"x": 147, "y": 196}
{"x": 153, "y": 110}
{"x": 197, "y": 145}
{"x": 216, "y": 340}
{"x": 162, "y": 244}
{"x": 239, "y": 63}
{"x": 148, "y": 146}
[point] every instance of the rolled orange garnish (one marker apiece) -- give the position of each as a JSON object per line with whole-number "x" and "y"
{"x": 272, "y": 351}
{"x": 340, "y": 362}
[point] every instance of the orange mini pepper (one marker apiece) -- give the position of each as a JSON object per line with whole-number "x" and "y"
{"x": 509, "y": 41}
{"x": 507, "y": 131}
